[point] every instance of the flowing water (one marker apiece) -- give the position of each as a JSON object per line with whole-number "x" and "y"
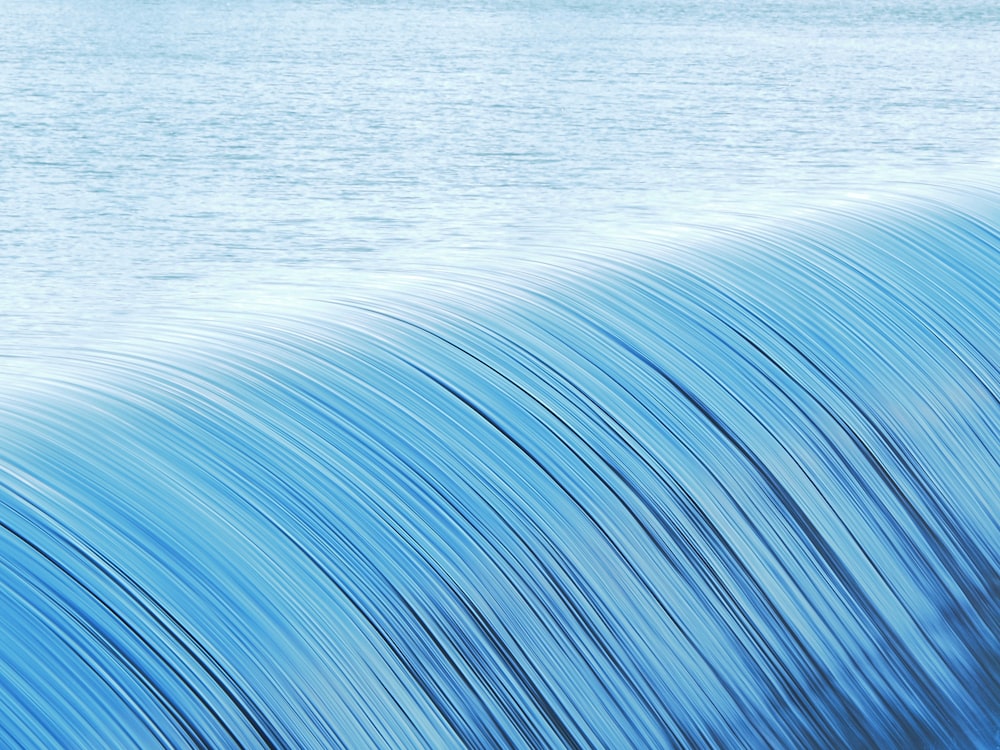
{"x": 159, "y": 152}
{"x": 535, "y": 374}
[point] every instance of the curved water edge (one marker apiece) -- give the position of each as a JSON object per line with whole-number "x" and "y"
{"x": 731, "y": 491}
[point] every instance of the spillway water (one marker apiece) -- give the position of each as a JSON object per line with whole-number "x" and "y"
{"x": 735, "y": 489}
{"x": 416, "y": 373}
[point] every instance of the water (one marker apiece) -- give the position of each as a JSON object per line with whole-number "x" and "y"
{"x": 159, "y": 152}
{"x": 500, "y": 374}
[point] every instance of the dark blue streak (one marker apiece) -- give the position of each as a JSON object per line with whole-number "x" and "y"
{"x": 739, "y": 491}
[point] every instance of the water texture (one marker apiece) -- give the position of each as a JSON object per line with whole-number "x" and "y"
{"x": 732, "y": 491}
{"x": 417, "y": 374}
{"x": 154, "y": 152}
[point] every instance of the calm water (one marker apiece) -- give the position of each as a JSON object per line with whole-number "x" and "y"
{"x": 157, "y": 154}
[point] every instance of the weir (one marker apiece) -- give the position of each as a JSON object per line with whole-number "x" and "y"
{"x": 736, "y": 491}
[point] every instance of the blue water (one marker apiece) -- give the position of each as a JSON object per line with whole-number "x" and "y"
{"x": 502, "y": 374}
{"x": 165, "y": 152}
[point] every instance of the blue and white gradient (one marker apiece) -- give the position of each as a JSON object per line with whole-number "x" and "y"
{"x": 736, "y": 491}
{"x": 500, "y": 374}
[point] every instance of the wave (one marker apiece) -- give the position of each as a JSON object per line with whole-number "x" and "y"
{"x": 737, "y": 489}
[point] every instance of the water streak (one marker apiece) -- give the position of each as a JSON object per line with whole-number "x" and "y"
{"x": 734, "y": 491}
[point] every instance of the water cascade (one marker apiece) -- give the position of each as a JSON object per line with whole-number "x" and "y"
{"x": 732, "y": 490}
